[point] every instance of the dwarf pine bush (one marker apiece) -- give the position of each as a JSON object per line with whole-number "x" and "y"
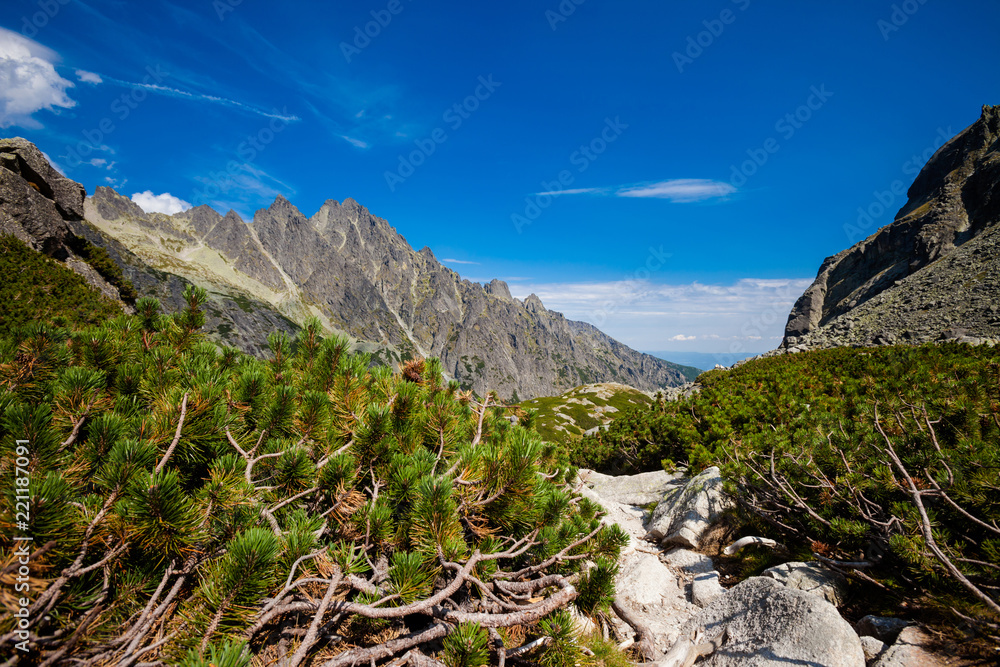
{"x": 193, "y": 505}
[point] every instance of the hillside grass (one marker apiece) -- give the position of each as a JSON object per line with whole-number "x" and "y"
{"x": 575, "y": 410}
{"x": 843, "y": 452}
{"x": 38, "y": 288}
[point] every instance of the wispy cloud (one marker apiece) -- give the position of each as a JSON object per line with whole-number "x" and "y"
{"x": 89, "y": 77}
{"x": 678, "y": 190}
{"x": 357, "y": 143}
{"x": 749, "y": 313}
{"x": 202, "y": 97}
{"x": 577, "y": 191}
{"x": 29, "y": 81}
{"x": 459, "y": 261}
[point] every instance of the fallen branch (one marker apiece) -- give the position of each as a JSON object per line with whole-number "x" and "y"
{"x": 744, "y": 542}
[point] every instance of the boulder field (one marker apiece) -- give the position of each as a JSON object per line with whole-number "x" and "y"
{"x": 671, "y": 602}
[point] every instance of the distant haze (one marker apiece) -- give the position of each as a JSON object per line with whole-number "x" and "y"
{"x": 702, "y": 360}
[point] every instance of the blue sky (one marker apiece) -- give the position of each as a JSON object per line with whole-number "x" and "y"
{"x": 705, "y": 157}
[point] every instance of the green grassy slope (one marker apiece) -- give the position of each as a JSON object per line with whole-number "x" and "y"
{"x": 567, "y": 416}
{"x": 36, "y": 287}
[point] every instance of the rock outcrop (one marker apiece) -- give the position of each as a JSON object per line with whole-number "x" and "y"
{"x": 360, "y": 277}
{"x": 36, "y": 201}
{"x": 681, "y": 519}
{"x": 41, "y": 208}
{"x": 933, "y": 273}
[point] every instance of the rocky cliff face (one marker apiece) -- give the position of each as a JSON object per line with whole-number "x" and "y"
{"x": 930, "y": 274}
{"x": 360, "y": 276}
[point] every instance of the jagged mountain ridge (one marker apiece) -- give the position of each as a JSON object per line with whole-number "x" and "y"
{"x": 360, "y": 276}
{"x": 933, "y": 273}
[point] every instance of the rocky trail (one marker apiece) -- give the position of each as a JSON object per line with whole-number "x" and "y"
{"x": 671, "y": 600}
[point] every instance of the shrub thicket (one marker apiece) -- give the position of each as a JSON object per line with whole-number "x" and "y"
{"x": 193, "y": 505}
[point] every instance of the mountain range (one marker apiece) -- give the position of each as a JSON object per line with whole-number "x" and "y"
{"x": 344, "y": 266}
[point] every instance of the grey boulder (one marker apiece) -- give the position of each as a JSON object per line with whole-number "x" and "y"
{"x": 884, "y": 628}
{"x": 641, "y": 489}
{"x": 768, "y": 625}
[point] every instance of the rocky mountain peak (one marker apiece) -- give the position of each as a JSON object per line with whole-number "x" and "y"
{"x": 953, "y": 213}
{"x": 533, "y": 304}
{"x": 499, "y": 288}
{"x": 114, "y": 206}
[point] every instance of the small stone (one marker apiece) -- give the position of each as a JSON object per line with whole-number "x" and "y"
{"x": 872, "y": 647}
{"x": 881, "y": 627}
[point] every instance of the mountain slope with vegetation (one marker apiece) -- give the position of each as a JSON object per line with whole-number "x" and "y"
{"x": 884, "y": 461}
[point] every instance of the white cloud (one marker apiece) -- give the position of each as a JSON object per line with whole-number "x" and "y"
{"x": 89, "y": 77}
{"x": 28, "y": 81}
{"x": 163, "y": 203}
{"x": 357, "y": 143}
{"x": 680, "y": 190}
{"x": 748, "y": 315}
{"x": 459, "y": 261}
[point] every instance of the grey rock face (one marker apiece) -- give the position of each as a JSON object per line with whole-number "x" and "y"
{"x": 36, "y": 201}
{"x": 241, "y": 323}
{"x": 641, "y": 489}
{"x": 364, "y": 279}
{"x": 811, "y": 578}
{"x": 769, "y": 625}
{"x": 684, "y": 517}
{"x": 933, "y": 268}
